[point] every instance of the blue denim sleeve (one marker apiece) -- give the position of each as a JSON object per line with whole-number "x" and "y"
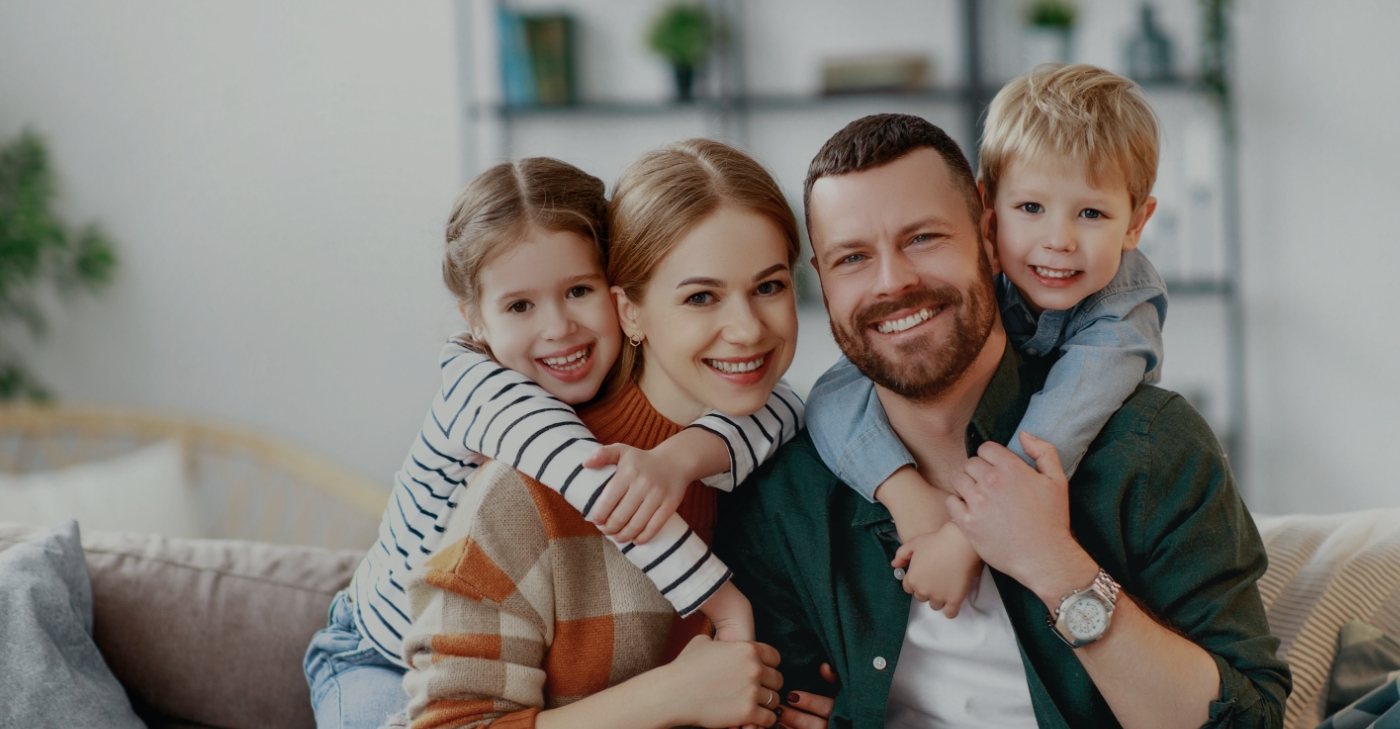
{"x": 850, "y": 430}
{"x": 1112, "y": 344}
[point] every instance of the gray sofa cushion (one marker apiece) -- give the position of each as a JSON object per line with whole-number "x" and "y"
{"x": 210, "y": 632}
{"x": 51, "y": 673}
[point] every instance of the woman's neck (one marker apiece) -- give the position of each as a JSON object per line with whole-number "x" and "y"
{"x": 669, "y": 399}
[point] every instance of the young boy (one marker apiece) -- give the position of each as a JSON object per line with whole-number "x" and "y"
{"x": 1067, "y": 163}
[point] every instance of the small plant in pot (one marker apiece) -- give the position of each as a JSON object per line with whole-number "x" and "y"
{"x": 683, "y": 34}
{"x": 1049, "y": 24}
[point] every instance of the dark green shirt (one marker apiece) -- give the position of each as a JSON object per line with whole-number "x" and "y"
{"x": 1153, "y": 502}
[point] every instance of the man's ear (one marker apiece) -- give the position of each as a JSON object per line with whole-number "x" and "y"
{"x": 626, "y": 313}
{"x": 1141, "y": 215}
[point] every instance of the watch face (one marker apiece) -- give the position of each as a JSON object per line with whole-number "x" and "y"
{"x": 1085, "y": 618}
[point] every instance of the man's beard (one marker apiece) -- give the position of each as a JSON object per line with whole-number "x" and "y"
{"x": 922, "y": 369}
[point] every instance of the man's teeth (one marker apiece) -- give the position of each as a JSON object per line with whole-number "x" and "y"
{"x": 570, "y": 362}
{"x": 1053, "y": 272}
{"x": 908, "y": 322}
{"x": 736, "y": 368}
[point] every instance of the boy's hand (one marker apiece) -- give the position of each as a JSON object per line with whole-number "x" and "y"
{"x": 940, "y": 567}
{"x": 642, "y": 495}
{"x": 730, "y": 612}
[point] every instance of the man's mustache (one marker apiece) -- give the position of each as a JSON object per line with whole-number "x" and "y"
{"x": 921, "y": 299}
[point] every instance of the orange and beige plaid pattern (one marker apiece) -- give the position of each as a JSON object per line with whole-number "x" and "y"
{"x": 532, "y": 609}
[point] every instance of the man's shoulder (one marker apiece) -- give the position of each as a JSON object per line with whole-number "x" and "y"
{"x": 1155, "y": 428}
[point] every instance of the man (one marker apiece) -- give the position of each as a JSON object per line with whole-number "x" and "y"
{"x": 896, "y": 228}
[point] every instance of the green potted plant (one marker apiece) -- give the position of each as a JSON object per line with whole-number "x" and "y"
{"x": 39, "y": 256}
{"x": 683, "y": 33}
{"x": 1048, "y": 30}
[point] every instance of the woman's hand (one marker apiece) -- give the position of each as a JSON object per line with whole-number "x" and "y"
{"x": 805, "y": 710}
{"x": 717, "y": 684}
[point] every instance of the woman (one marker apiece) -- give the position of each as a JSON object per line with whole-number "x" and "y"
{"x": 530, "y": 617}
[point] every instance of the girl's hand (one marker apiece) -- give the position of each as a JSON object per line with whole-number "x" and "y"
{"x": 723, "y": 684}
{"x": 730, "y": 612}
{"x": 642, "y": 495}
{"x": 940, "y": 567}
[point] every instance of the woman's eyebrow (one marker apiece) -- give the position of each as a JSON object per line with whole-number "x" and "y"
{"x": 765, "y": 273}
{"x": 701, "y": 281}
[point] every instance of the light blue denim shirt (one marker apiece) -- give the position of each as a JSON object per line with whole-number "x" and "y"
{"x": 1105, "y": 346}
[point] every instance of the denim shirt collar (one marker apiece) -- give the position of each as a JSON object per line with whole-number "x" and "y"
{"x": 1003, "y": 403}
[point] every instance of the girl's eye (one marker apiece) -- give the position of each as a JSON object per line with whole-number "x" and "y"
{"x": 770, "y": 288}
{"x": 701, "y": 298}
{"x": 1091, "y": 213}
{"x": 1030, "y": 207}
{"x": 578, "y": 292}
{"x": 519, "y": 307}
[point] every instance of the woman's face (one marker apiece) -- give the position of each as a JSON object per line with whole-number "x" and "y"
{"x": 718, "y": 317}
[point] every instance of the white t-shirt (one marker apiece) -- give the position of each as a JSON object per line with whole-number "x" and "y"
{"x": 962, "y": 672}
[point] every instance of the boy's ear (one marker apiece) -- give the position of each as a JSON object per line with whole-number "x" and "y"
{"x": 988, "y": 229}
{"x": 1141, "y": 215}
{"x": 626, "y": 313}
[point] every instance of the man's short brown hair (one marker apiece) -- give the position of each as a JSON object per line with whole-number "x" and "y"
{"x": 879, "y": 139}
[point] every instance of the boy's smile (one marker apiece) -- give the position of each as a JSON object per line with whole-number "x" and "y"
{"x": 1059, "y": 234}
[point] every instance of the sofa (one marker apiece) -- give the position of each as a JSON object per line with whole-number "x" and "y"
{"x": 210, "y": 633}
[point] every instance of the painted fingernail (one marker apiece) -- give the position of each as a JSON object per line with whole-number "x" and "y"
{"x": 793, "y": 697}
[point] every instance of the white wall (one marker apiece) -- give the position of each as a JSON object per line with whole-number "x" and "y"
{"x": 1321, "y": 174}
{"x": 275, "y": 176}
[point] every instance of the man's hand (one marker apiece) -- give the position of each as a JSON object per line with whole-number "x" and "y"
{"x": 642, "y": 495}
{"x": 940, "y": 568}
{"x": 1015, "y": 517}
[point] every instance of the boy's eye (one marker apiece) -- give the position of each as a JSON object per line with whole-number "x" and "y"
{"x": 1030, "y": 207}
{"x": 1091, "y": 213}
{"x": 578, "y": 292}
{"x": 770, "y": 288}
{"x": 700, "y": 298}
{"x": 519, "y": 307}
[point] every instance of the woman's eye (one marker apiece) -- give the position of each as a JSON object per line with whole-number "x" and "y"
{"x": 701, "y": 298}
{"x": 1091, "y": 213}
{"x": 578, "y": 292}
{"x": 1030, "y": 207}
{"x": 770, "y": 288}
{"x": 519, "y": 307}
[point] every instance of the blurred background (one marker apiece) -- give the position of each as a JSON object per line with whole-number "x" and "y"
{"x": 269, "y": 181}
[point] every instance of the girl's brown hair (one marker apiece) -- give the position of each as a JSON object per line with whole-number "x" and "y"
{"x": 498, "y": 208}
{"x": 665, "y": 193}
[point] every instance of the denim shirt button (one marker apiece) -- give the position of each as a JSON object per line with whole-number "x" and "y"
{"x": 899, "y": 573}
{"x": 880, "y": 663}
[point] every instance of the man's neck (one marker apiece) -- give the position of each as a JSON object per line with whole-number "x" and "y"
{"x": 935, "y": 431}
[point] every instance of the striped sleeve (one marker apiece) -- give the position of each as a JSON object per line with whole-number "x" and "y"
{"x": 753, "y": 439}
{"x": 508, "y": 417}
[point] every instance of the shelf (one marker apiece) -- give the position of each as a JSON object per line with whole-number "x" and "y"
{"x": 746, "y": 102}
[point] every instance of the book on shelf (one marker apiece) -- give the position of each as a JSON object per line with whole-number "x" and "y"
{"x": 537, "y": 59}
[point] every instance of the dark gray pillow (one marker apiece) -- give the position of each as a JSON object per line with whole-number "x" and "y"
{"x": 1366, "y": 659}
{"x": 51, "y": 673}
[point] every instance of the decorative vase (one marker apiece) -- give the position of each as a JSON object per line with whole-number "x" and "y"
{"x": 1149, "y": 53}
{"x": 685, "y": 82}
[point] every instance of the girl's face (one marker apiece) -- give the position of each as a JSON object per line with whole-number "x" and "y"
{"x": 718, "y": 316}
{"x": 545, "y": 311}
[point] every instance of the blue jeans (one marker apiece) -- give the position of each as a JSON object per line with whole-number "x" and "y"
{"x": 353, "y": 686}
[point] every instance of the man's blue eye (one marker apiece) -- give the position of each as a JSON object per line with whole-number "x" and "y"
{"x": 700, "y": 299}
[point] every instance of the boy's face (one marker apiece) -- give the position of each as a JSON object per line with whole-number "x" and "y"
{"x": 1059, "y": 238}
{"x": 545, "y": 311}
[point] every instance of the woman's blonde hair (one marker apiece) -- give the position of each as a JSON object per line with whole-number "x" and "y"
{"x": 1082, "y": 114}
{"x": 664, "y": 194}
{"x": 498, "y": 208}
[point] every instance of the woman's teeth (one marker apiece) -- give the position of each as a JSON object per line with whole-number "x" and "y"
{"x": 908, "y": 322}
{"x": 736, "y": 368}
{"x": 1052, "y": 272}
{"x": 570, "y": 362}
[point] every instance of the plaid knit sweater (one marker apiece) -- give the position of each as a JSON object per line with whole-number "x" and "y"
{"x": 530, "y": 606}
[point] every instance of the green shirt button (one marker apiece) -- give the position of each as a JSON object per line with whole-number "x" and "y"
{"x": 880, "y": 663}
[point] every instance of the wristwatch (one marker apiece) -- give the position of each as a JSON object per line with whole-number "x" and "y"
{"x": 1084, "y": 615}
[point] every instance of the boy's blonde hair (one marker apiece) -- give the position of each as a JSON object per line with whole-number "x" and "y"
{"x": 664, "y": 194}
{"x": 1080, "y": 113}
{"x": 497, "y": 209}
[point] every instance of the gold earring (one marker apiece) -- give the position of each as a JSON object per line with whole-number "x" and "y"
{"x": 635, "y": 339}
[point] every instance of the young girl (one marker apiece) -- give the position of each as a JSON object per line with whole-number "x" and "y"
{"x": 524, "y": 258}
